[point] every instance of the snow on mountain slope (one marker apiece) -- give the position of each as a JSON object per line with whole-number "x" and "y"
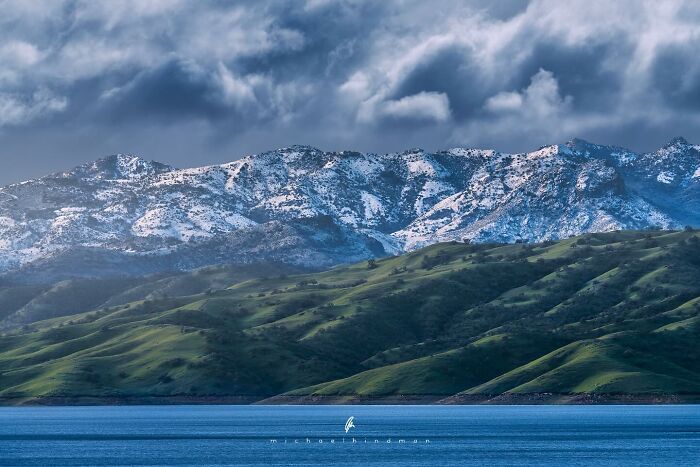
{"x": 305, "y": 206}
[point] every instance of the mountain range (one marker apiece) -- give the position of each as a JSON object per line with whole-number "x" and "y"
{"x": 123, "y": 215}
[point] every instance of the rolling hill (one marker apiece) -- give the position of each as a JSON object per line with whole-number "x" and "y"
{"x": 599, "y": 315}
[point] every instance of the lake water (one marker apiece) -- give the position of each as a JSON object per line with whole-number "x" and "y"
{"x": 456, "y": 435}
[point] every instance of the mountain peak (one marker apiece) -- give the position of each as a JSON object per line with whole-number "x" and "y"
{"x": 578, "y": 145}
{"x": 579, "y": 141}
{"x": 121, "y": 159}
{"x": 413, "y": 151}
{"x": 120, "y": 166}
{"x": 300, "y": 147}
{"x": 677, "y": 141}
{"x": 584, "y": 145}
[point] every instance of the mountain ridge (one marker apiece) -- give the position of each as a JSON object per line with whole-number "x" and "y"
{"x": 314, "y": 208}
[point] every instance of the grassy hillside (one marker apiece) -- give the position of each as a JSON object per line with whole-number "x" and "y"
{"x": 600, "y": 314}
{"x": 23, "y": 303}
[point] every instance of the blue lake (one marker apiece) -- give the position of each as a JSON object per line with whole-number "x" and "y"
{"x": 456, "y": 435}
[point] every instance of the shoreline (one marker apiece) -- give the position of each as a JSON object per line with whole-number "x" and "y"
{"x": 459, "y": 399}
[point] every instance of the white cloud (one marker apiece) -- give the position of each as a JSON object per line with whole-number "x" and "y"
{"x": 540, "y": 101}
{"x": 16, "y": 57}
{"x": 422, "y": 106}
{"x": 357, "y": 87}
{"x": 16, "y": 110}
{"x": 236, "y": 91}
{"x": 19, "y": 53}
{"x": 504, "y": 101}
{"x": 542, "y": 98}
{"x": 538, "y": 112}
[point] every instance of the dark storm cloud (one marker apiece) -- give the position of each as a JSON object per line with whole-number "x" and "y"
{"x": 191, "y": 83}
{"x": 676, "y": 75}
{"x": 175, "y": 90}
{"x": 589, "y": 72}
{"x": 452, "y": 71}
{"x": 332, "y": 34}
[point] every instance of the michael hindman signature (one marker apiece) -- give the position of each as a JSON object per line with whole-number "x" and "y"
{"x": 358, "y": 441}
{"x": 350, "y": 423}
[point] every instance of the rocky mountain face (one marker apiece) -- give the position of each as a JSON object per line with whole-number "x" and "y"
{"x": 122, "y": 215}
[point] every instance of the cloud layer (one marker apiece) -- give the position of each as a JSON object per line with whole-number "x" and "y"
{"x": 196, "y": 82}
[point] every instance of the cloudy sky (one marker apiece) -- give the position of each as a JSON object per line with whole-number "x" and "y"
{"x": 191, "y": 83}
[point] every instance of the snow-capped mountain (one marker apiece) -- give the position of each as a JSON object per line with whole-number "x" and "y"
{"x": 300, "y": 205}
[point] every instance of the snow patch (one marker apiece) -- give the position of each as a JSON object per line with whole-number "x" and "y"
{"x": 424, "y": 167}
{"x": 431, "y": 189}
{"x": 624, "y": 157}
{"x": 373, "y": 206}
{"x": 666, "y": 177}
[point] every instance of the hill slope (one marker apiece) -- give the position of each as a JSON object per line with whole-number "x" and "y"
{"x": 596, "y": 314}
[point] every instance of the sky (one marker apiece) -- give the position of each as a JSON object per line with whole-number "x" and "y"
{"x": 194, "y": 83}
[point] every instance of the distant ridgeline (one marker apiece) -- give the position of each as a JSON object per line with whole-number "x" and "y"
{"x": 124, "y": 216}
{"x": 594, "y": 318}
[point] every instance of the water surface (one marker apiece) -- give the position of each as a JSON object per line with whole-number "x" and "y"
{"x": 456, "y": 435}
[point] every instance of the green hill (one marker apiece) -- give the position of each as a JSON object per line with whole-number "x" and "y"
{"x": 23, "y": 303}
{"x": 602, "y": 314}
